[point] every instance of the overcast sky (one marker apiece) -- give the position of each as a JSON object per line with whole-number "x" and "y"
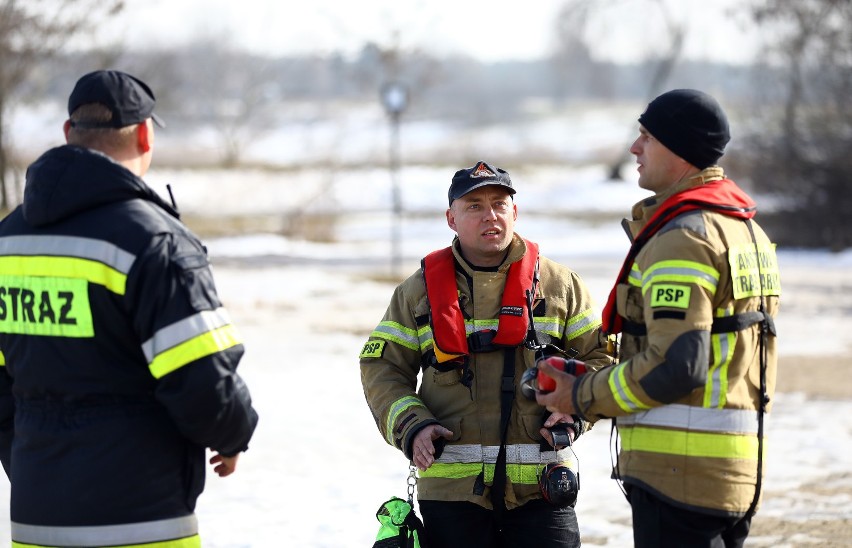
{"x": 621, "y": 30}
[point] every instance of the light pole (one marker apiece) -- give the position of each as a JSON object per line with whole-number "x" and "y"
{"x": 394, "y": 97}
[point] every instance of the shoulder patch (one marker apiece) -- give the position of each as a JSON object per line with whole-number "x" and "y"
{"x": 754, "y": 271}
{"x": 373, "y": 349}
{"x": 670, "y": 295}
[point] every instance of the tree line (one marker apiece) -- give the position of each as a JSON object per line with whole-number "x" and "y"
{"x": 794, "y": 145}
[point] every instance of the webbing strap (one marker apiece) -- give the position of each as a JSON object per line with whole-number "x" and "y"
{"x": 727, "y": 324}
{"x": 764, "y": 397}
{"x": 507, "y": 396}
{"x": 738, "y": 322}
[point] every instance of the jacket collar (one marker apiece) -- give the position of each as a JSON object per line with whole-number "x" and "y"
{"x": 68, "y": 180}
{"x": 517, "y": 249}
{"x": 642, "y": 211}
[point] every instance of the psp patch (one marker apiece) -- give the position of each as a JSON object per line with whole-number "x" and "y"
{"x": 373, "y": 349}
{"x": 670, "y": 295}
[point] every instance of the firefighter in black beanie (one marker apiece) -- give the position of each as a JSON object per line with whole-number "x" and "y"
{"x": 694, "y": 306}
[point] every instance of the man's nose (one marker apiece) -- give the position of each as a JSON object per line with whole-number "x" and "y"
{"x": 635, "y": 149}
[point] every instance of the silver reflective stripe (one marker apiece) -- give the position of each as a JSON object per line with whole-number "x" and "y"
{"x": 581, "y": 323}
{"x": 69, "y": 246}
{"x": 184, "y": 330}
{"x": 398, "y": 333}
{"x": 106, "y": 535}
{"x": 685, "y": 417}
{"x": 548, "y": 325}
{"x": 521, "y": 453}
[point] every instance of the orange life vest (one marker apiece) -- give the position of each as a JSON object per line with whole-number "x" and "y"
{"x": 722, "y": 196}
{"x": 450, "y": 341}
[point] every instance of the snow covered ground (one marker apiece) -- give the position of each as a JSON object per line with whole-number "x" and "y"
{"x": 318, "y": 469}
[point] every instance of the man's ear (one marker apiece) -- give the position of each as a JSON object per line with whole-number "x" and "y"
{"x": 143, "y": 136}
{"x": 66, "y": 127}
{"x": 451, "y": 219}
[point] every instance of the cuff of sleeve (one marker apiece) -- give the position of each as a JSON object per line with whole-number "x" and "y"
{"x": 408, "y": 439}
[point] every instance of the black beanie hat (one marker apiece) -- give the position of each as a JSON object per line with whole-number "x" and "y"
{"x": 690, "y": 123}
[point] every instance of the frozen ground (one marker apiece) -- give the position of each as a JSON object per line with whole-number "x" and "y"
{"x": 317, "y": 469}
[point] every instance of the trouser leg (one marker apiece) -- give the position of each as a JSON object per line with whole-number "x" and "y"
{"x": 657, "y": 524}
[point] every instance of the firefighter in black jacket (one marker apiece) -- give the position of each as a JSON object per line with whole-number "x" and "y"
{"x": 117, "y": 359}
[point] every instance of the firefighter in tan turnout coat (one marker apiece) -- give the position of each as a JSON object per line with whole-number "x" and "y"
{"x": 461, "y": 334}
{"x": 695, "y": 304}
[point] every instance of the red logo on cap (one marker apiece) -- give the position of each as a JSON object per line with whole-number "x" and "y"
{"x": 481, "y": 171}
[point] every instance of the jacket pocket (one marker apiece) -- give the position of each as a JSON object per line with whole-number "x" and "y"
{"x": 447, "y": 378}
{"x": 197, "y": 280}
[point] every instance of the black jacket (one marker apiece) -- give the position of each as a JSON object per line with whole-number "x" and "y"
{"x": 120, "y": 361}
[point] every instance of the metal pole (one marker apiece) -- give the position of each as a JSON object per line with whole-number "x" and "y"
{"x": 396, "y": 225}
{"x": 395, "y": 98}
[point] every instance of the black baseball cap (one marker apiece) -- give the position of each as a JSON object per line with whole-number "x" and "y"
{"x": 129, "y": 98}
{"x": 481, "y": 174}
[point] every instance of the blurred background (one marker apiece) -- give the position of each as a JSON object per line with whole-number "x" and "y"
{"x": 314, "y": 91}
{"x": 311, "y": 145}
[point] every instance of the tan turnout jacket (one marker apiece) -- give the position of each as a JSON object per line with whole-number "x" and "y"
{"x": 686, "y": 397}
{"x": 391, "y": 364}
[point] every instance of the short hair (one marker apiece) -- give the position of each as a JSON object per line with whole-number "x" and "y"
{"x": 105, "y": 139}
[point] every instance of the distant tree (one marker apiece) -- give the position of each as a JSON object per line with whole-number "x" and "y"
{"x": 573, "y": 54}
{"x": 30, "y": 32}
{"x": 231, "y": 90}
{"x": 571, "y": 58}
{"x": 803, "y": 159}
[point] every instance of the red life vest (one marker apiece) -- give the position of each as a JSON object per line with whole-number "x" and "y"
{"x": 447, "y": 321}
{"x": 722, "y": 196}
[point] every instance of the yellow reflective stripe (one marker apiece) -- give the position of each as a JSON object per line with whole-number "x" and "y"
{"x": 517, "y": 473}
{"x": 471, "y": 326}
{"x": 424, "y": 335}
{"x": 398, "y": 333}
{"x": 65, "y": 267}
{"x": 683, "y": 417}
{"x": 681, "y": 271}
{"x": 716, "y": 386}
{"x": 397, "y": 408}
{"x": 689, "y": 444}
{"x": 188, "y": 542}
{"x": 205, "y": 344}
{"x": 551, "y": 325}
{"x": 184, "y": 330}
{"x": 54, "y": 245}
{"x": 621, "y": 392}
{"x": 2, "y": 359}
{"x": 581, "y": 324}
{"x": 635, "y": 276}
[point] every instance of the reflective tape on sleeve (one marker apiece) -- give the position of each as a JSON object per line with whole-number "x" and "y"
{"x": 190, "y": 339}
{"x": 398, "y": 333}
{"x": 621, "y": 392}
{"x": 681, "y": 272}
{"x": 397, "y": 408}
{"x": 581, "y": 324}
